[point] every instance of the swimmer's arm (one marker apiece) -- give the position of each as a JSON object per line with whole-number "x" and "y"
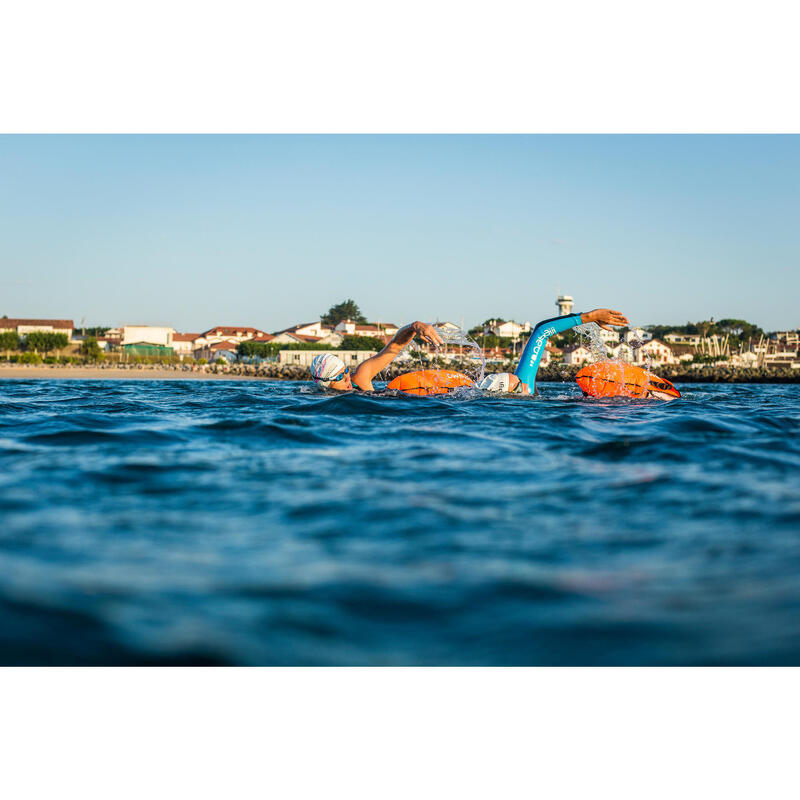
{"x": 367, "y": 370}
{"x": 532, "y": 353}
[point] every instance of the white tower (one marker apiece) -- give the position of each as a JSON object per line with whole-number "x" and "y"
{"x": 564, "y": 304}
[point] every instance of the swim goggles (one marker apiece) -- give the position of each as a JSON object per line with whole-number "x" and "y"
{"x": 340, "y": 376}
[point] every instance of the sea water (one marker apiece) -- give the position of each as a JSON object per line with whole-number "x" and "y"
{"x": 205, "y": 522}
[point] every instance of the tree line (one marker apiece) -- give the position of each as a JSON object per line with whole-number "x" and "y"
{"x": 270, "y": 349}
{"x": 33, "y": 342}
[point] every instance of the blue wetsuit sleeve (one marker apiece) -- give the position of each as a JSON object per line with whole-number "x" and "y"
{"x": 534, "y": 349}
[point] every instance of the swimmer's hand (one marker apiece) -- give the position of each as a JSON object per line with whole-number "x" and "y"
{"x": 422, "y": 329}
{"x": 605, "y": 318}
{"x": 427, "y": 332}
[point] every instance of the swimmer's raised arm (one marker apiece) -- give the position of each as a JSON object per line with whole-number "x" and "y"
{"x": 534, "y": 349}
{"x": 368, "y": 369}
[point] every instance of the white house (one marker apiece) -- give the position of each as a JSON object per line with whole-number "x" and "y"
{"x": 791, "y": 339}
{"x": 610, "y": 338}
{"x": 638, "y": 335}
{"x": 577, "y": 354}
{"x": 655, "y": 350}
{"x": 147, "y": 334}
{"x": 25, "y": 326}
{"x": 692, "y": 339}
{"x": 785, "y": 358}
{"x": 509, "y": 329}
{"x": 348, "y": 327}
{"x": 211, "y": 352}
{"x": 284, "y": 337}
{"x": 317, "y": 329}
{"x": 745, "y": 359}
{"x": 228, "y": 333}
{"x": 623, "y": 352}
{"x": 184, "y": 343}
{"x": 303, "y": 358}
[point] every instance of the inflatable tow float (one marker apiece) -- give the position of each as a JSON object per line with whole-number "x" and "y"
{"x": 612, "y": 379}
{"x": 430, "y": 381}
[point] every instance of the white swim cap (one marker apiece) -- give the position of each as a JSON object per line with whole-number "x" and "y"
{"x": 325, "y": 367}
{"x": 496, "y": 383}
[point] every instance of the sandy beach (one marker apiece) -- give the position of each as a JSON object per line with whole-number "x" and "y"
{"x": 97, "y": 373}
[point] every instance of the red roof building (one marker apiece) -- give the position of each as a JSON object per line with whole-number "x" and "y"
{"x": 23, "y": 326}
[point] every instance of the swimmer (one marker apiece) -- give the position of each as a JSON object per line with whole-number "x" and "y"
{"x": 506, "y": 382}
{"x": 525, "y": 373}
{"x": 330, "y": 372}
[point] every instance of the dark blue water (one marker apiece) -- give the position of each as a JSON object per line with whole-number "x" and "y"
{"x": 210, "y": 522}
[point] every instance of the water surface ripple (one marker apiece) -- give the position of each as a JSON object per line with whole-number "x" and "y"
{"x": 193, "y": 522}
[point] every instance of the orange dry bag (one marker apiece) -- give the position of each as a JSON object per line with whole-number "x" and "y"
{"x": 612, "y": 379}
{"x": 430, "y": 381}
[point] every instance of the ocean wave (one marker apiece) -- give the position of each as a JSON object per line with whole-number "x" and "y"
{"x": 263, "y": 523}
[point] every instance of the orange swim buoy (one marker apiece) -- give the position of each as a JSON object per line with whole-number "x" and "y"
{"x": 612, "y": 379}
{"x": 430, "y": 381}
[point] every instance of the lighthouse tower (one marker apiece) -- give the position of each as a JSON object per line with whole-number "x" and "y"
{"x": 564, "y": 304}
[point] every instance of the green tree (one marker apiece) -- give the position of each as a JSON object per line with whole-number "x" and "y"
{"x": 35, "y": 340}
{"x": 45, "y": 341}
{"x": 346, "y": 310}
{"x": 55, "y": 341}
{"x": 302, "y": 346}
{"x": 9, "y": 341}
{"x": 361, "y": 343}
{"x": 98, "y": 330}
{"x": 253, "y": 349}
{"x": 91, "y": 349}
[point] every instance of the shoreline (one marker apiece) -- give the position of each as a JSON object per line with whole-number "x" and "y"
{"x": 112, "y": 373}
{"x": 274, "y": 372}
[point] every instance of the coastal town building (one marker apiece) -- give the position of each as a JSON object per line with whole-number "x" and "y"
{"x": 108, "y": 344}
{"x": 785, "y": 358}
{"x": 347, "y": 327}
{"x": 577, "y": 354}
{"x": 637, "y": 335}
{"x": 309, "y": 333}
{"x": 682, "y": 352}
{"x": 211, "y": 352}
{"x": 227, "y": 333}
{"x": 24, "y": 326}
{"x": 747, "y": 359}
{"x": 285, "y": 337}
{"x": 316, "y": 329}
{"x": 184, "y": 343}
{"x": 564, "y": 304}
{"x": 147, "y": 334}
{"x": 656, "y": 351}
{"x": 146, "y": 340}
{"x": 609, "y": 338}
{"x": 692, "y": 339}
{"x": 789, "y": 339}
{"x": 623, "y": 352}
{"x": 508, "y": 329}
{"x": 303, "y": 358}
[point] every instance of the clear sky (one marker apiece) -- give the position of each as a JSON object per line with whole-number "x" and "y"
{"x": 195, "y": 231}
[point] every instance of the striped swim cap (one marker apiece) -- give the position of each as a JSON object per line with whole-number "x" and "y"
{"x": 325, "y": 367}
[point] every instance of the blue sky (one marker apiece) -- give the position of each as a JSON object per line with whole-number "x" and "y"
{"x": 195, "y": 231}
